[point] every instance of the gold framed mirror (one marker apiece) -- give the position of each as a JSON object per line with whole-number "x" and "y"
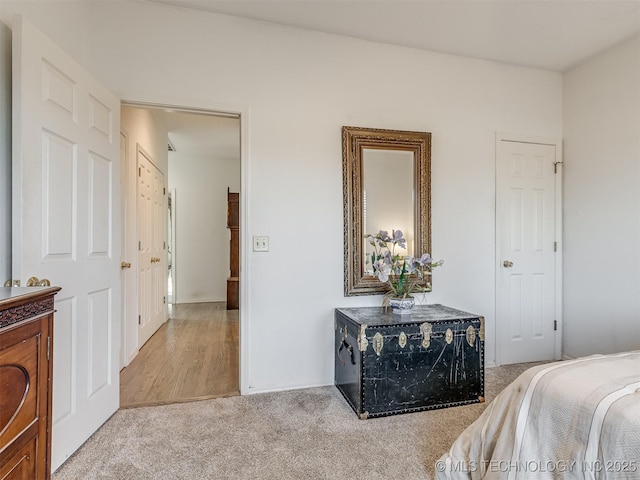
{"x": 386, "y": 185}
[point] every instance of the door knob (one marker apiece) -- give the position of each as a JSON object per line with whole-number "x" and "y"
{"x": 36, "y": 282}
{"x": 507, "y": 264}
{"x": 124, "y": 265}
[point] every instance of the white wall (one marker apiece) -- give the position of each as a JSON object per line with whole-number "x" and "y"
{"x": 145, "y": 128}
{"x": 299, "y": 88}
{"x": 602, "y": 203}
{"x": 5, "y": 152}
{"x": 202, "y": 236}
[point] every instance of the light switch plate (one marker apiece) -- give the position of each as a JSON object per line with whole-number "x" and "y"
{"x": 260, "y": 244}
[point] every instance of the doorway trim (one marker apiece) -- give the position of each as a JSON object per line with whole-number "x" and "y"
{"x": 557, "y": 143}
{"x": 172, "y": 243}
{"x": 124, "y": 226}
{"x": 211, "y": 108}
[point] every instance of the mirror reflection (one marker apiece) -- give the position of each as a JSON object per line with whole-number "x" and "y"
{"x": 387, "y": 197}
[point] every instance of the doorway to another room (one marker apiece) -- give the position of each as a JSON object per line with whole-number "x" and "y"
{"x": 194, "y": 354}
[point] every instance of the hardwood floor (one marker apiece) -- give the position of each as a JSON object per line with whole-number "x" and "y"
{"x": 193, "y": 356}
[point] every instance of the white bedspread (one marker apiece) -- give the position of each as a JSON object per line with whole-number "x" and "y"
{"x": 577, "y": 419}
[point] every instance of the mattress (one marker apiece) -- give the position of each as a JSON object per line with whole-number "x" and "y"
{"x": 576, "y": 419}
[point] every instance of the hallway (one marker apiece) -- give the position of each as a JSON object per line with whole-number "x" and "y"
{"x": 193, "y": 356}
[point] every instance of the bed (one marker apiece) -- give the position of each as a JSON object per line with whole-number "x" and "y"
{"x": 576, "y": 419}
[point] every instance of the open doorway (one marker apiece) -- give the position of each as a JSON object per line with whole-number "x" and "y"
{"x": 195, "y": 354}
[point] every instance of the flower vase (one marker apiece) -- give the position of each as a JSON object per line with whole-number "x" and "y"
{"x": 402, "y": 305}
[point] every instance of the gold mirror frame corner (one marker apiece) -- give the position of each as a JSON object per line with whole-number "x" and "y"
{"x": 354, "y": 140}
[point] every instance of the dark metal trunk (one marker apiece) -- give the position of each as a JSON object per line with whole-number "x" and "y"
{"x": 387, "y": 364}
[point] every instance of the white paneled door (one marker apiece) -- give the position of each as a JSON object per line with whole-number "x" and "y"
{"x": 152, "y": 270}
{"x": 66, "y": 225}
{"x": 526, "y": 252}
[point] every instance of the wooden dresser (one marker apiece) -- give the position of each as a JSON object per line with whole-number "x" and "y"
{"x": 26, "y": 342}
{"x": 233, "y": 224}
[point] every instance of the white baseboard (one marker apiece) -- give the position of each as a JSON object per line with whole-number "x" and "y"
{"x": 199, "y": 300}
{"x": 490, "y": 364}
{"x": 254, "y": 391}
{"x": 567, "y": 357}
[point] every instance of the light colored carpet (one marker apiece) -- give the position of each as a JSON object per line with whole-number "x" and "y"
{"x": 300, "y": 434}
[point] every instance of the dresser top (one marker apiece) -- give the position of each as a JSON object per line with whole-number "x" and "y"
{"x": 421, "y": 313}
{"x": 20, "y": 294}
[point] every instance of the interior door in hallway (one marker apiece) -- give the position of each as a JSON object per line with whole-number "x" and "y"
{"x": 152, "y": 233}
{"x": 526, "y": 243}
{"x": 66, "y": 225}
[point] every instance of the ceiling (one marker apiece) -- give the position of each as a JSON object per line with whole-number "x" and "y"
{"x": 550, "y": 34}
{"x": 202, "y": 135}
